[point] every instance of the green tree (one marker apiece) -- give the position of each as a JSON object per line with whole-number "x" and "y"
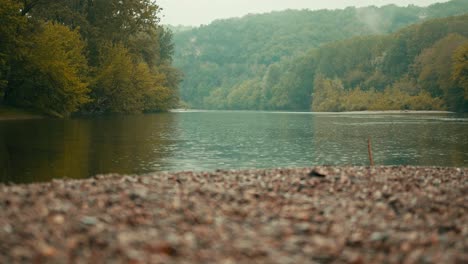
{"x": 113, "y": 88}
{"x": 126, "y": 84}
{"x": 161, "y": 94}
{"x": 327, "y": 95}
{"x": 51, "y": 72}
{"x": 434, "y": 65}
{"x": 358, "y": 100}
{"x": 229, "y": 52}
{"x": 129, "y": 52}
{"x": 217, "y": 99}
{"x": 460, "y": 71}
{"x": 245, "y": 96}
{"x": 11, "y": 21}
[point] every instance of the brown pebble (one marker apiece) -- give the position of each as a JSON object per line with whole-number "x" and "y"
{"x": 400, "y": 214}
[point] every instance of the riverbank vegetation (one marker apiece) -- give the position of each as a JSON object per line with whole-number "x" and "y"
{"x": 330, "y": 60}
{"x": 418, "y": 68}
{"x": 61, "y": 57}
{"x": 13, "y": 113}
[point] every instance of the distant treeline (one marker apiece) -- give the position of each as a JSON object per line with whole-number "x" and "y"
{"x": 106, "y": 56}
{"x": 329, "y": 60}
{"x": 422, "y": 67}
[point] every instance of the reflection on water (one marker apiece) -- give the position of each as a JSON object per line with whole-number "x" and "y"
{"x": 39, "y": 150}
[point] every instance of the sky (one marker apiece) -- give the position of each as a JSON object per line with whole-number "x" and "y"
{"x": 197, "y": 12}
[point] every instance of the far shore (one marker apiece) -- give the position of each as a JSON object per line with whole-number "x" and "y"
{"x": 365, "y": 112}
{"x": 398, "y": 112}
{"x": 312, "y": 215}
{"x": 14, "y": 113}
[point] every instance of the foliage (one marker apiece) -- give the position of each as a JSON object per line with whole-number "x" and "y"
{"x": 327, "y": 95}
{"x": 434, "y": 66}
{"x": 460, "y": 69}
{"x": 330, "y": 96}
{"x": 364, "y": 64}
{"x": 113, "y": 87}
{"x": 245, "y": 96}
{"x": 123, "y": 85}
{"x": 162, "y": 96}
{"x": 52, "y": 73}
{"x": 10, "y": 21}
{"x": 219, "y": 58}
{"x": 94, "y": 56}
{"x": 361, "y": 73}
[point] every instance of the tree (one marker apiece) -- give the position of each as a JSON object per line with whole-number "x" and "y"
{"x": 327, "y": 95}
{"x": 460, "y": 71}
{"x": 113, "y": 88}
{"x": 460, "y": 68}
{"x": 434, "y": 65}
{"x": 129, "y": 53}
{"x": 50, "y": 75}
{"x": 245, "y": 96}
{"x": 162, "y": 94}
{"x": 126, "y": 84}
{"x": 232, "y": 48}
{"x": 11, "y": 21}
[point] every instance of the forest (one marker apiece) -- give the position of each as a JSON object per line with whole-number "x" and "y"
{"x": 111, "y": 56}
{"x": 409, "y": 58}
{"x": 86, "y": 56}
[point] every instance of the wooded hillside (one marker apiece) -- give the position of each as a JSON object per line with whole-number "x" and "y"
{"x": 271, "y": 61}
{"x": 108, "y": 56}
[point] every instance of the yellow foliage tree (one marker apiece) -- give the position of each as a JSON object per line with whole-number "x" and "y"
{"x": 10, "y": 21}
{"x": 460, "y": 69}
{"x": 125, "y": 83}
{"x": 358, "y": 100}
{"x": 52, "y": 76}
{"x": 327, "y": 96}
{"x": 113, "y": 88}
{"x": 330, "y": 96}
{"x": 157, "y": 96}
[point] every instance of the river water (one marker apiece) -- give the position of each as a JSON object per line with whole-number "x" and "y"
{"x": 44, "y": 149}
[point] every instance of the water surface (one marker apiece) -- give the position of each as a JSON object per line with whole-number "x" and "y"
{"x": 40, "y": 150}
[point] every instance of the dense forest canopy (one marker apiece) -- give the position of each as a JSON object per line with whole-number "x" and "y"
{"x": 326, "y": 60}
{"x": 414, "y": 68}
{"x": 112, "y": 56}
{"x": 95, "y": 56}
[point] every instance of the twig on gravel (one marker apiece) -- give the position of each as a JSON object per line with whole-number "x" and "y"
{"x": 369, "y": 150}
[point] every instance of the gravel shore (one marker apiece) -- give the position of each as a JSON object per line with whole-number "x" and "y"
{"x": 310, "y": 215}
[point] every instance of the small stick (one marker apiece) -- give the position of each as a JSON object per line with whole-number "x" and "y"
{"x": 369, "y": 149}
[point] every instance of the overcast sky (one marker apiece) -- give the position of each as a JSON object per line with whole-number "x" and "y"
{"x": 196, "y": 12}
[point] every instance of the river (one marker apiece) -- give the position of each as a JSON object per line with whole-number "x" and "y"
{"x": 44, "y": 149}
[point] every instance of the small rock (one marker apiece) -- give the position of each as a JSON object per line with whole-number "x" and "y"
{"x": 379, "y": 236}
{"x": 58, "y": 219}
{"x": 7, "y": 228}
{"x": 89, "y": 220}
{"x": 377, "y": 195}
{"x": 163, "y": 248}
{"x": 46, "y": 250}
{"x": 316, "y": 174}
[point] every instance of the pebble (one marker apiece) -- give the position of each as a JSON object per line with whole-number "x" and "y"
{"x": 309, "y": 215}
{"x": 89, "y": 220}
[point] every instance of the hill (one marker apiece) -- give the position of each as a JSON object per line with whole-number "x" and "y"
{"x": 227, "y": 54}
{"x": 421, "y": 67}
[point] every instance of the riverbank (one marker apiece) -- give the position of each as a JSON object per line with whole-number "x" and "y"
{"x": 364, "y": 112}
{"x": 13, "y": 113}
{"x": 315, "y": 215}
